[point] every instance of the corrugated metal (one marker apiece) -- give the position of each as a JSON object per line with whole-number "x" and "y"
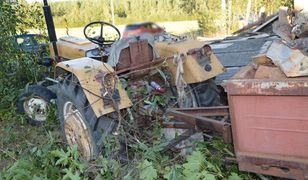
{"x": 238, "y": 52}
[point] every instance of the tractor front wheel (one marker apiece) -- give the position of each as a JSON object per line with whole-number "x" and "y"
{"x": 35, "y": 103}
{"x": 79, "y": 124}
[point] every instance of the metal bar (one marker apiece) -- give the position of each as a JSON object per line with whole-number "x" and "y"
{"x": 178, "y": 139}
{"x": 206, "y": 111}
{"x": 52, "y": 80}
{"x": 50, "y": 28}
{"x": 177, "y": 125}
{"x": 203, "y": 123}
{"x": 153, "y": 62}
{"x": 256, "y": 23}
{"x": 257, "y": 87}
{"x": 200, "y": 122}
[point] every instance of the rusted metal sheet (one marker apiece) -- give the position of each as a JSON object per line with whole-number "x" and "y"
{"x": 291, "y": 61}
{"x": 268, "y": 166}
{"x": 140, "y": 52}
{"x": 141, "y": 65}
{"x": 270, "y": 124}
{"x": 239, "y": 85}
{"x": 294, "y": 87}
{"x": 288, "y": 167}
{"x": 137, "y": 53}
{"x": 269, "y": 72}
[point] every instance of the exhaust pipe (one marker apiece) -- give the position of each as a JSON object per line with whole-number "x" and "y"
{"x": 51, "y": 29}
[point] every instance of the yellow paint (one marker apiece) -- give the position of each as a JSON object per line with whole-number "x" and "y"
{"x": 193, "y": 72}
{"x": 85, "y": 69}
{"x": 71, "y": 47}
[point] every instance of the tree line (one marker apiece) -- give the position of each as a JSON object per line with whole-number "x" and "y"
{"x": 213, "y": 16}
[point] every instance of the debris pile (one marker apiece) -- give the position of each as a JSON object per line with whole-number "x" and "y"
{"x": 288, "y": 54}
{"x": 268, "y": 100}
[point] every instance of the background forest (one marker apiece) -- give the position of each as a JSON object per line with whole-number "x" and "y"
{"x": 213, "y": 15}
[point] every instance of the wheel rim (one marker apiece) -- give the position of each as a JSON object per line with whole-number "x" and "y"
{"x": 76, "y": 131}
{"x": 36, "y": 108}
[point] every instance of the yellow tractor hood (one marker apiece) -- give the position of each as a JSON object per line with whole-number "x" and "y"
{"x": 194, "y": 72}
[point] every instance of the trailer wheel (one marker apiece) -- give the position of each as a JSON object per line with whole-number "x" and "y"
{"x": 79, "y": 124}
{"x": 35, "y": 103}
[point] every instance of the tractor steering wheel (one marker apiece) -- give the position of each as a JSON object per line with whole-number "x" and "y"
{"x": 90, "y": 29}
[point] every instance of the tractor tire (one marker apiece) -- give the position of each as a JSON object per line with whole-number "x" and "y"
{"x": 202, "y": 94}
{"x": 79, "y": 124}
{"x": 35, "y": 103}
{"x": 206, "y": 93}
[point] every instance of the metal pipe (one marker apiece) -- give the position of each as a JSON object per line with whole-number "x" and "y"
{"x": 52, "y": 80}
{"x": 51, "y": 29}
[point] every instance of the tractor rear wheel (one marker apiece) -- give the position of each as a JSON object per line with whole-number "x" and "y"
{"x": 202, "y": 94}
{"x": 79, "y": 124}
{"x": 206, "y": 93}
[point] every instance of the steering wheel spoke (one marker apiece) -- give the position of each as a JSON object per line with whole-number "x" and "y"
{"x": 108, "y": 41}
{"x": 102, "y": 30}
{"x": 100, "y": 40}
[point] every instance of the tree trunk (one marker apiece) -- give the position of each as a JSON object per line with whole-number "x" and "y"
{"x": 112, "y": 12}
{"x": 229, "y": 15}
{"x": 224, "y": 17}
{"x": 248, "y": 9}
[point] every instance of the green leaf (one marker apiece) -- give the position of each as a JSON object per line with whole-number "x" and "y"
{"x": 194, "y": 161}
{"x": 147, "y": 171}
{"x": 194, "y": 164}
{"x": 63, "y": 157}
{"x": 70, "y": 174}
{"x": 206, "y": 175}
{"x": 234, "y": 176}
{"x": 173, "y": 173}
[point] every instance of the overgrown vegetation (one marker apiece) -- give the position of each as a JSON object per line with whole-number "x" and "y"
{"x": 28, "y": 152}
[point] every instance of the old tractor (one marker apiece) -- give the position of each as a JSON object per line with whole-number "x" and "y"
{"x": 93, "y": 80}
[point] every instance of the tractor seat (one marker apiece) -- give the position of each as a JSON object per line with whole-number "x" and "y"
{"x": 132, "y": 51}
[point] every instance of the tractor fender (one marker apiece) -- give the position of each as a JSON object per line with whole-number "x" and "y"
{"x": 86, "y": 71}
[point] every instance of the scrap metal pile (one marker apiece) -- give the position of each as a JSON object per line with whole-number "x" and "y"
{"x": 157, "y": 100}
{"x": 287, "y": 55}
{"x": 268, "y": 101}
